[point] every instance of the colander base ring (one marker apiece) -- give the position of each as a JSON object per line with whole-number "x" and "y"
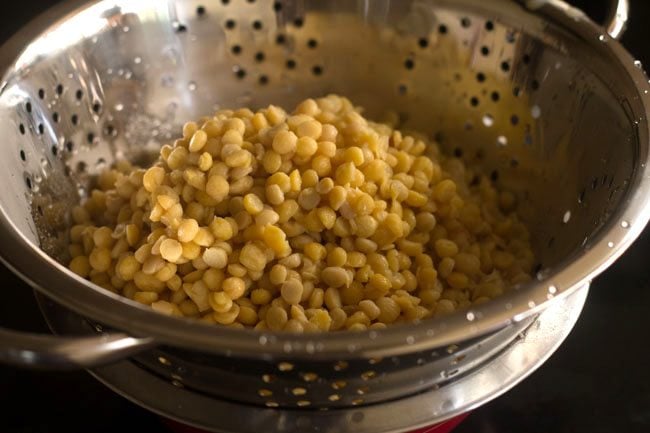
{"x": 173, "y": 401}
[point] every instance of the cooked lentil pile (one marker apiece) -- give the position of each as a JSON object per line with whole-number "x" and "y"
{"x": 318, "y": 220}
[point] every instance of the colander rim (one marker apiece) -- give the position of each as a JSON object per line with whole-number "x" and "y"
{"x": 52, "y": 279}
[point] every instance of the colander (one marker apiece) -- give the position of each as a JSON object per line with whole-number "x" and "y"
{"x": 542, "y": 99}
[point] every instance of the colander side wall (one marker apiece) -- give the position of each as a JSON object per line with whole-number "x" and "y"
{"x": 560, "y": 119}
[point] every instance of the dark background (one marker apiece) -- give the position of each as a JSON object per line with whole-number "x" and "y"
{"x": 597, "y": 382}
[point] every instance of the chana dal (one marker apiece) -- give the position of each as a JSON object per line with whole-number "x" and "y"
{"x": 315, "y": 220}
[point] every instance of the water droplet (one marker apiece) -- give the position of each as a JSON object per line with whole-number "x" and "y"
{"x": 531, "y": 304}
{"x": 119, "y": 107}
{"x": 310, "y": 348}
{"x": 137, "y": 60}
{"x": 528, "y": 138}
{"x": 625, "y": 224}
{"x": 172, "y": 107}
{"x": 191, "y": 86}
{"x": 245, "y": 98}
{"x": 502, "y": 140}
{"x": 470, "y": 316}
{"x": 171, "y": 54}
{"x": 552, "y": 290}
{"x": 167, "y": 80}
{"x": 566, "y": 217}
{"x": 126, "y": 29}
{"x": 488, "y": 120}
{"x": 94, "y": 39}
{"x": 263, "y": 340}
{"x": 602, "y": 38}
{"x": 410, "y": 339}
{"x": 535, "y": 111}
{"x": 638, "y": 64}
{"x": 128, "y": 74}
{"x": 519, "y": 317}
{"x": 447, "y": 404}
{"x": 610, "y": 244}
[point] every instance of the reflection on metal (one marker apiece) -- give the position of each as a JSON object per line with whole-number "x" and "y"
{"x": 429, "y": 407}
{"x": 535, "y": 99}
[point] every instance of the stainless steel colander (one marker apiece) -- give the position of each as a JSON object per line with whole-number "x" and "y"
{"x": 533, "y": 92}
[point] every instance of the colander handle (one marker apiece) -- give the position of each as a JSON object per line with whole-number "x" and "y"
{"x": 67, "y": 353}
{"x": 618, "y": 16}
{"x": 616, "y": 20}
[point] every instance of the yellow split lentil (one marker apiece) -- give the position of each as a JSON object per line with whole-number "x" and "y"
{"x": 316, "y": 220}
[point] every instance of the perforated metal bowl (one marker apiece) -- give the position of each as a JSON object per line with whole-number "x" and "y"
{"x": 533, "y": 92}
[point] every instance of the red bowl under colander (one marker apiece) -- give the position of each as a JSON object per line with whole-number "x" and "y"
{"x": 444, "y": 427}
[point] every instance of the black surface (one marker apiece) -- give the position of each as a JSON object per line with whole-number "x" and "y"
{"x": 598, "y": 381}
